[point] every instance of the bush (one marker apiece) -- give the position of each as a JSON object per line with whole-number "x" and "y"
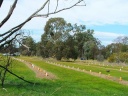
{"x": 111, "y": 58}
{"x": 118, "y": 57}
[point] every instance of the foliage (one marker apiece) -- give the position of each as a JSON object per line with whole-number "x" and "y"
{"x": 111, "y": 58}
{"x": 64, "y": 40}
{"x": 124, "y": 57}
{"x": 114, "y": 48}
{"x": 70, "y": 48}
{"x": 89, "y": 49}
{"x": 87, "y": 44}
{"x": 119, "y": 57}
{"x": 57, "y": 29}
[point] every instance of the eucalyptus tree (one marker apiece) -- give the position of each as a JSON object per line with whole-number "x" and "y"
{"x": 81, "y": 38}
{"x": 71, "y": 49}
{"x": 56, "y": 31}
{"x": 89, "y": 49}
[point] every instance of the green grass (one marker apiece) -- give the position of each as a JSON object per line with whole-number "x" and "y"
{"x": 68, "y": 83}
{"x": 114, "y": 71}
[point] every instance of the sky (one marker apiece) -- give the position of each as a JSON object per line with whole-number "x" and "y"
{"x": 108, "y": 18}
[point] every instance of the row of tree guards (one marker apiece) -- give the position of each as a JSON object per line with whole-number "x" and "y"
{"x": 89, "y": 72}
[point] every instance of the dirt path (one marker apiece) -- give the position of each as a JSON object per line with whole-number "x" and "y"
{"x": 108, "y": 77}
{"x": 40, "y": 73}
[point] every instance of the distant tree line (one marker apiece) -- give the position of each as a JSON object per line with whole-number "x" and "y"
{"x": 65, "y": 40}
{"x": 118, "y": 51}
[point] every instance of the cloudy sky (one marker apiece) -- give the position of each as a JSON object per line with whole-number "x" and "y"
{"x": 108, "y": 18}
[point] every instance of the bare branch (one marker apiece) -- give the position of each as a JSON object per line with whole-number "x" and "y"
{"x": 80, "y": 5}
{"x": 57, "y": 5}
{"x": 6, "y": 37}
{"x": 9, "y": 13}
{"x": 9, "y": 41}
{"x": 13, "y": 30}
{"x": 48, "y": 6}
{"x": 18, "y": 27}
{"x": 1, "y": 1}
{"x": 67, "y": 7}
{"x": 76, "y": 4}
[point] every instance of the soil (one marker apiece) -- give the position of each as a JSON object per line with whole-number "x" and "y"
{"x": 40, "y": 73}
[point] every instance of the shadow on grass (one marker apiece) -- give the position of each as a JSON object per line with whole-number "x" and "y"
{"x": 19, "y": 88}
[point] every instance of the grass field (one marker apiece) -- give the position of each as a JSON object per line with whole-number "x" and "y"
{"x": 68, "y": 83}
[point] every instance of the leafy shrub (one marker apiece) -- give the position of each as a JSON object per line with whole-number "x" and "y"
{"x": 118, "y": 57}
{"x": 111, "y": 58}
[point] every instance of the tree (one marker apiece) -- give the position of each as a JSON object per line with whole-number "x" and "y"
{"x": 81, "y": 37}
{"x": 70, "y": 48}
{"x": 57, "y": 31}
{"x": 58, "y": 50}
{"x": 6, "y": 38}
{"x": 68, "y": 40}
{"x": 89, "y": 49}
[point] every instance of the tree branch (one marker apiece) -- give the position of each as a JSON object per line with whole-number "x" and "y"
{"x": 13, "y": 30}
{"x": 23, "y": 45}
{"x": 6, "y": 37}
{"x": 44, "y": 15}
{"x": 57, "y": 5}
{"x": 9, "y": 13}
{"x": 23, "y": 23}
{"x": 1, "y": 1}
{"x": 16, "y": 75}
{"x": 9, "y": 41}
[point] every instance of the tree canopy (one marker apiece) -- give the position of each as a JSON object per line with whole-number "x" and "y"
{"x": 65, "y": 40}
